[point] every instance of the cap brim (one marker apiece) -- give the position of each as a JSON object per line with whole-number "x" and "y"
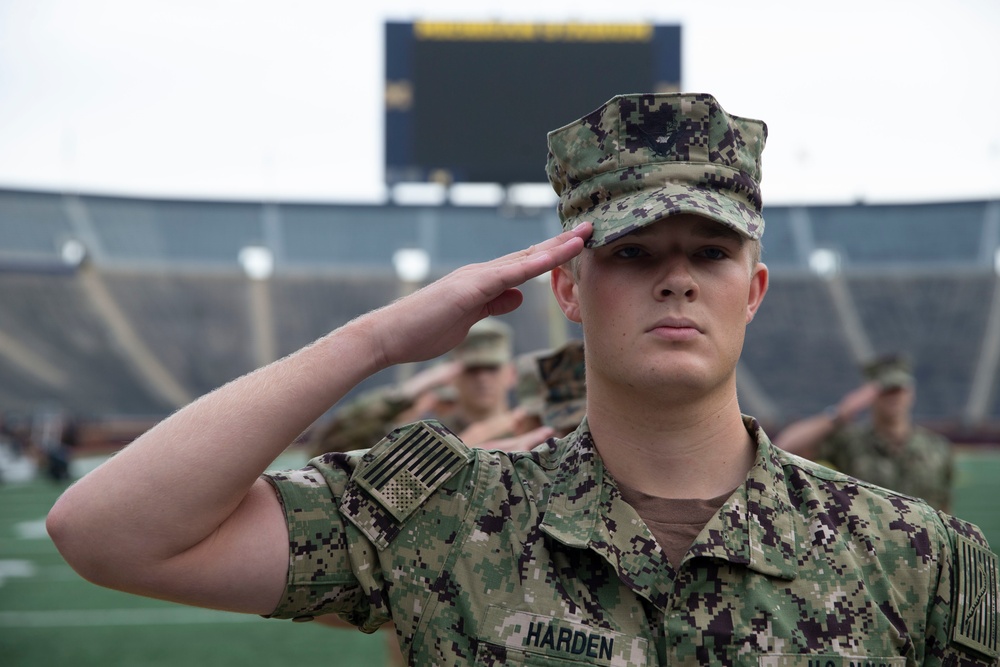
{"x": 895, "y": 380}
{"x": 482, "y": 360}
{"x": 619, "y": 216}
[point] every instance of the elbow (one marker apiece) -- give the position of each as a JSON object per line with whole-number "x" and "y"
{"x": 62, "y": 530}
{"x": 59, "y": 526}
{"x": 71, "y": 538}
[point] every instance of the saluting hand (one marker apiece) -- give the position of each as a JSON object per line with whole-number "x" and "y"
{"x": 437, "y": 317}
{"x": 856, "y": 401}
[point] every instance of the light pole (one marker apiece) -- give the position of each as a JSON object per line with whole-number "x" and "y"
{"x": 412, "y": 267}
{"x": 258, "y": 265}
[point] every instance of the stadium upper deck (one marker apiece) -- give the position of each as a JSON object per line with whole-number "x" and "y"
{"x": 161, "y": 309}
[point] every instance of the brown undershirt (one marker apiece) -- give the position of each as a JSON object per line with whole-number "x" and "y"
{"x": 674, "y": 522}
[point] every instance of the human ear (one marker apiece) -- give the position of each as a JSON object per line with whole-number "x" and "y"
{"x": 564, "y": 288}
{"x": 758, "y": 288}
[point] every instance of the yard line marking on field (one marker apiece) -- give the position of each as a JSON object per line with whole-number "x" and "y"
{"x": 16, "y": 568}
{"x": 65, "y": 618}
{"x": 31, "y": 530}
{"x": 10, "y": 546}
{"x": 55, "y": 574}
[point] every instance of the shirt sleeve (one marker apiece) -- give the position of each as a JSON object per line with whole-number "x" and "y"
{"x": 367, "y": 529}
{"x": 322, "y": 558}
{"x": 835, "y": 448}
{"x": 962, "y": 621}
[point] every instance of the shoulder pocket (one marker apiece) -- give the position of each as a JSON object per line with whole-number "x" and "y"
{"x": 404, "y": 470}
{"x": 975, "y": 609}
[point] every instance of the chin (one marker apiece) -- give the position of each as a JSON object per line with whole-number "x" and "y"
{"x": 690, "y": 379}
{"x": 674, "y": 380}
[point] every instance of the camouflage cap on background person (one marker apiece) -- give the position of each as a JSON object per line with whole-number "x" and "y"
{"x": 488, "y": 343}
{"x": 529, "y": 390}
{"x": 562, "y": 374}
{"x": 640, "y": 158}
{"x": 445, "y": 393}
{"x": 890, "y": 371}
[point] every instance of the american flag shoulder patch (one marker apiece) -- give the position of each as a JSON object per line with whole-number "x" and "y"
{"x": 975, "y": 615}
{"x": 422, "y": 458}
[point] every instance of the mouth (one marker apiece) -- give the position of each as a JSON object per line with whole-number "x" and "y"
{"x": 676, "y": 328}
{"x": 677, "y": 323}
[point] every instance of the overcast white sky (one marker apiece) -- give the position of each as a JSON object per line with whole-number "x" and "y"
{"x": 881, "y": 100}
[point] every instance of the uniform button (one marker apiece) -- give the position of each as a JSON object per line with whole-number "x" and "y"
{"x": 302, "y": 619}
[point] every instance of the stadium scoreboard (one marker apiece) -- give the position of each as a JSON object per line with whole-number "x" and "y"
{"x": 472, "y": 102}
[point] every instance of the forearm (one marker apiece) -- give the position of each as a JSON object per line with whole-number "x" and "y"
{"x": 804, "y": 437}
{"x": 181, "y": 512}
{"x": 176, "y": 484}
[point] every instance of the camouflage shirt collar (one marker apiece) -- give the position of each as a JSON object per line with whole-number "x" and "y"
{"x": 754, "y": 527}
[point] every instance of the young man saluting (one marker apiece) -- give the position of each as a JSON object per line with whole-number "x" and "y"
{"x": 665, "y": 530}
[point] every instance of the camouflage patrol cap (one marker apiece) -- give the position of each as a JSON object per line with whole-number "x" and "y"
{"x": 529, "y": 390}
{"x": 565, "y": 391}
{"x": 488, "y": 343}
{"x": 889, "y": 371}
{"x": 641, "y": 158}
{"x": 445, "y": 393}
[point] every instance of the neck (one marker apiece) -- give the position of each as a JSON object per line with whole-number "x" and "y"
{"x": 473, "y": 414}
{"x": 673, "y": 448}
{"x": 894, "y": 429}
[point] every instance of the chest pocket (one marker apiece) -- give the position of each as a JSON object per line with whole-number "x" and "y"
{"x": 510, "y": 637}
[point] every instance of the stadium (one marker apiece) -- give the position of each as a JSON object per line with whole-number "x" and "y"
{"x": 119, "y": 310}
{"x": 125, "y": 309}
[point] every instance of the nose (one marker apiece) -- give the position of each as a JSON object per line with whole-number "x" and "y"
{"x": 677, "y": 280}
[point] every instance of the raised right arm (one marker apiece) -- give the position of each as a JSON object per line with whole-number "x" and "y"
{"x": 182, "y": 514}
{"x": 805, "y": 436}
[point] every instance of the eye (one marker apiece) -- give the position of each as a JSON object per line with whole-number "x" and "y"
{"x": 629, "y": 252}
{"x": 713, "y": 253}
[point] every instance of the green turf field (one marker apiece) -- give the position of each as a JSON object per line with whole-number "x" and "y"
{"x": 50, "y": 616}
{"x": 976, "y": 482}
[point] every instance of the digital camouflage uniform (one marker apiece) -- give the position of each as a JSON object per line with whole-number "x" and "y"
{"x": 921, "y": 467}
{"x": 486, "y": 558}
{"x": 361, "y": 423}
{"x": 488, "y": 344}
{"x": 365, "y": 420}
{"x": 562, "y": 375}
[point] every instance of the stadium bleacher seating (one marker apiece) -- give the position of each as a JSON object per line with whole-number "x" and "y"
{"x": 177, "y": 232}
{"x": 929, "y": 233}
{"x": 939, "y": 319}
{"x": 32, "y": 227}
{"x": 795, "y": 348}
{"x": 921, "y": 278}
{"x": 345, "y": 237}
{"x": 64, "y": 353}
{"x": 192, "y": 322}
{"x": 779, "y": 239}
